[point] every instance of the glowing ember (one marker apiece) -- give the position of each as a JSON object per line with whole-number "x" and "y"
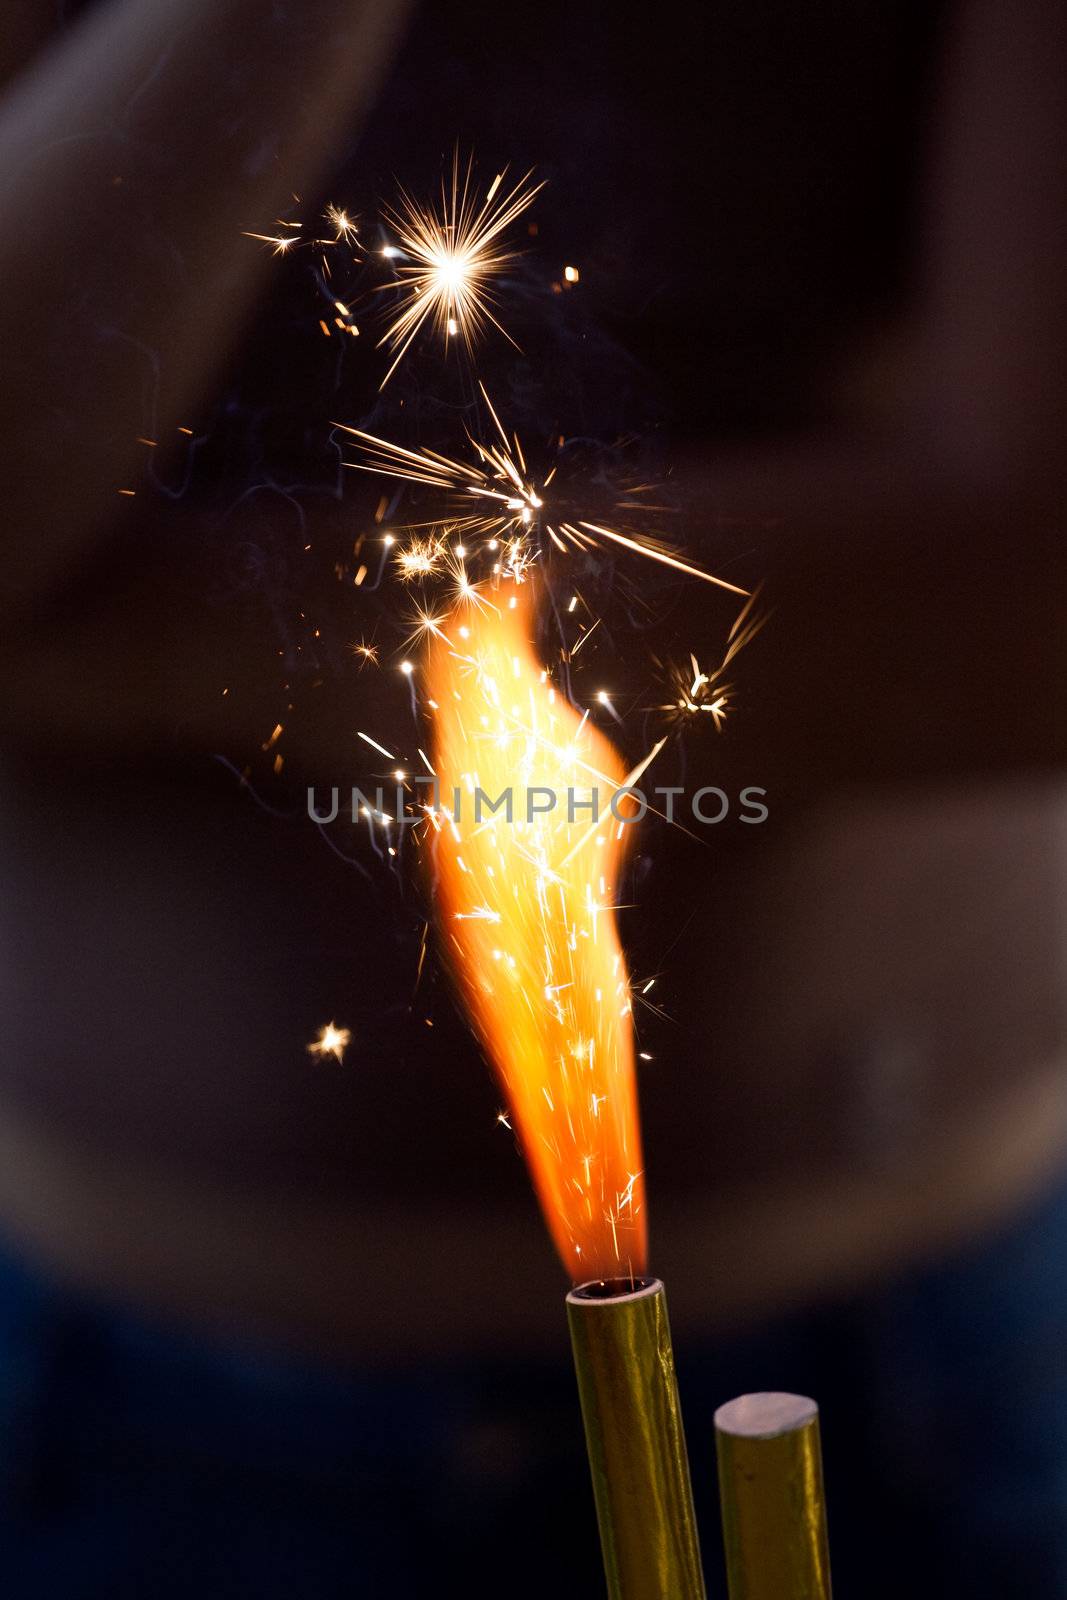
{"x": 527, "y": 917}
{"x": 332, "y": 1041}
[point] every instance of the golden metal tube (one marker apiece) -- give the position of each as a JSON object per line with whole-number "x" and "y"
{"x": 633, "y": 1431}
{"x": 773, "y": 1508}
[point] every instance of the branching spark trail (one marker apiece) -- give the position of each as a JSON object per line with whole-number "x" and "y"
{"x": 495, "y": 499}
{"x": 698, "y": 693}
{"x": 281, "y": 243}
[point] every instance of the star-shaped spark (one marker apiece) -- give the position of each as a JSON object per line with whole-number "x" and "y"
{"x": 367, "y": 653}
{"x": 332, "y": 1041}
{"x": 449, "y": 252}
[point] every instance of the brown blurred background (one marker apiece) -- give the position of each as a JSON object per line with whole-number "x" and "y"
{"x": 821, "y": 282}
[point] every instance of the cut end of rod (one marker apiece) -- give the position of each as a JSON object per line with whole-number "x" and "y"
{"x": 614, "y": 1289}
{"x": 765, "y": 1416}
{"x": 771, "y": 1493}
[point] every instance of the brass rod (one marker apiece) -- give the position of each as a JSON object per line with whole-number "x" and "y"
{"x": 633, "y": 1430}
{"x": 771, "y": 1493}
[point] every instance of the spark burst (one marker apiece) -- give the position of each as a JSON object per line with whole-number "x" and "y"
{"x": 495, "y": 498}
{"x": 344, "y": 226}
{"x": 527, "y": 912}
{"x": 449, "y": 253}
{"x": 419, "y": 559}
{"x": 698, "y": 693}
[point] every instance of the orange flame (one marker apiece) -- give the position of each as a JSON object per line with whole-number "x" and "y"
{"x": 527, "y": 910}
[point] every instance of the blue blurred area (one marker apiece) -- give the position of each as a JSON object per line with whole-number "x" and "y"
{"x": 135, "y": 1460}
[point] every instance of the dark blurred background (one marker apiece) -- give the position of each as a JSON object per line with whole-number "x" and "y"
{"x": 272, "y": 1321}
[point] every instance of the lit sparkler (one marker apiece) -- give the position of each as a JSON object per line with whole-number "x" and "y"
{"x": 527, "y": 850}
{"x": 449, "y": 253}
{"x": 527, "y": 918}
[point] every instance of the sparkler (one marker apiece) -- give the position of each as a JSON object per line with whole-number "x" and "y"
{"x": 526, "y": 905}
{"x": 526, "y": 902}
{"x": 527, "y": 913}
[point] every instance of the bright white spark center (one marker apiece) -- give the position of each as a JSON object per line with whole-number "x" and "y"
{"x": 331, "y": 1041}
{"x": 450, "y": 274}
